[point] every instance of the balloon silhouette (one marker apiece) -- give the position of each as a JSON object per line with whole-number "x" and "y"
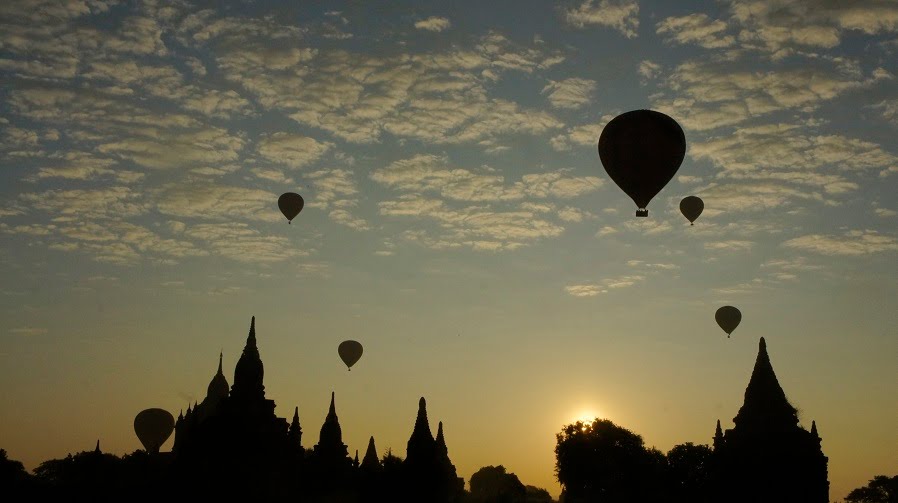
{"x": 728, "y": 317}
{"x": 642, "y": 150}
{"x": 691, "y": 207}
{"x": 153, "y": 427}
{"x": 350, "y": 352}
{"x": 290, "y": 204}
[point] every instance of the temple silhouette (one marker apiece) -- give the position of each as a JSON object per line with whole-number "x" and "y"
{"x": 232, "y": 443}
{"x": 768, "y": 456}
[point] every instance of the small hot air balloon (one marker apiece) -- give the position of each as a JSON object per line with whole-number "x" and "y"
{"x": 691, "y": 207}
{"x": 350, "y": 352}
{"x": 642, "y": 150}
{"x": 728, "y": 317}
{"x": 290, "y": 204}
{"x": 153, "y": 427}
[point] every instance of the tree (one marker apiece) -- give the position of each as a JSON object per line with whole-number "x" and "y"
{"x": 491, "y": 484}
{"x": 601, "y": 461}
{"x": 12, "y": 473}
{"x": 689, "y": 469}
{"x": 881, "y": 489}
{"x": 538, "y": 495}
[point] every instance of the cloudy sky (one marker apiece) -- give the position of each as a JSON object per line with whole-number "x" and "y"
{"x": 458, "y": 221}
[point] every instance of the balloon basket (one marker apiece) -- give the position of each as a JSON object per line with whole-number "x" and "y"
{"x": 642, "y": 212}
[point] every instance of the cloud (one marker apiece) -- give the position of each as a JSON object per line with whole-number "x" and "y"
{"x": 696, "y": 29}
{"x": 582, "y": 135}
{"x": 852, "y": 243}
{"x": 477, "y": 227}
{"x": 709, "y": 95}
{"x": 436, "y": 97}
{"x": 786, "y": 161}
{"x": 433, "y": 23}
{"x": 889, "y": 110}
{"x": 648, "y": 70}
{"x": 218, "y": 202}
{"x": 570, "y": 93}
{"x": 605, "y": 231}
{"x": 622, "y": 15}
{"x": 431, "y": 173}
{"x": 240, "y": 242}
{"x": 292, "y": 150}
{"x": 28, "y": 331}
{"x": 81, "y": 204}
{"x": 729, "y": 245}
{"x": 604, "y": 286}
{"x": 590, "y": 290}
{"x": 779, "y": 27}
{"x": 885, "y": 212}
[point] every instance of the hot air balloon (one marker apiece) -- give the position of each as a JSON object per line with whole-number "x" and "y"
{"x": 642, "y": 150}
{"x": 728, "y": 317}
{"x": 290, "y": 204}
{"x": 691, "y": 207}
{"x": 153, "y": 427}
{"x": 350, "y": 352}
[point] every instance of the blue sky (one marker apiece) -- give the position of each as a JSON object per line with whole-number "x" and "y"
{"x": 458, "y": 221}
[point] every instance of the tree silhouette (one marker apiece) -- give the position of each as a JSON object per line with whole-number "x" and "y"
{"x": 881, "y": 489}
{"x": 689, "y": 468}
{"x": 492, "y": 484}
{"x": 601, "y": 461}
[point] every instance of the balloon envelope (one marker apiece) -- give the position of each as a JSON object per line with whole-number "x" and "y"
{"x": 691, "y": 207}
{"x": 153, "y": 427}
{"x": 642, "y": 150}
{"x": 350, "y": 352}
{"x": 290, "y": 205}
{"x": 728, "y": 317}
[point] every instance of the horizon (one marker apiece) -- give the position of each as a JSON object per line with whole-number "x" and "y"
{"x": 458, "y": 220}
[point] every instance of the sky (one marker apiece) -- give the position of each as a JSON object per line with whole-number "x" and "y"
{"x": 458, "y": 221}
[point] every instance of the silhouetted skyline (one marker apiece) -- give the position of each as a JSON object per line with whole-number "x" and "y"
{"x": 457, "y": 220}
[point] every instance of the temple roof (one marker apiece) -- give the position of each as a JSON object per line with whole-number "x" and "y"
{"x": 370, "y": 461}
{"x": 765, "y": 406}
{"x": 218, "y": 386}
{"x": 331, "y": 434}
{"x": 249, "y": 372}
{"x": 421, "y": 444}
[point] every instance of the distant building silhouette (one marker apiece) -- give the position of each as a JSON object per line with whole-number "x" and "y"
{"x": 232, "y": 443}
{"x": 767, "y": 456}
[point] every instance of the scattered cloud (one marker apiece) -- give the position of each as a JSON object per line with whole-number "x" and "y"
{"x": 622, "y": 15}
{"x": 570, "y": 93}
{"x": 852, "y": 243}
{"x": 696, "y": 29}
{"x": 604, "y": 286}
{"x": 433, "y": 23}
{"x": 292, "y": 150}
{"x": 28, "y": 331}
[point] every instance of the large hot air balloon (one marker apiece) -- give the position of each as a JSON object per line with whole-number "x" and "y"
{"x": 350, "y": 352}
{"x": 728, "y": 317}
{"x": 153, "y": 427}
{"x": 691, "y": 207}
{"x": 290, "y": 204}
{"x": 642, "y": 150}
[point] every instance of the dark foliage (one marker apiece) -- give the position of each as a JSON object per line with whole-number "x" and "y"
{"x": 881, "y": 489}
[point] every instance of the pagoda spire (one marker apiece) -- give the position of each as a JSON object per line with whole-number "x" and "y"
{"x": 421, "y": 444}
{"x": 766, "y": 407}
{"x": 442, "y": 450}
{"x": 370, "y": 461}
{"x": 97, "y": 448}
{"x": 355, "y": 461}
{"x": 718, "y": 436}
{"x": 814, "y": 430}
{"x": 330, "y": 445}
{"x": 249, "y": 373}
{"x": 295, "y": 432}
